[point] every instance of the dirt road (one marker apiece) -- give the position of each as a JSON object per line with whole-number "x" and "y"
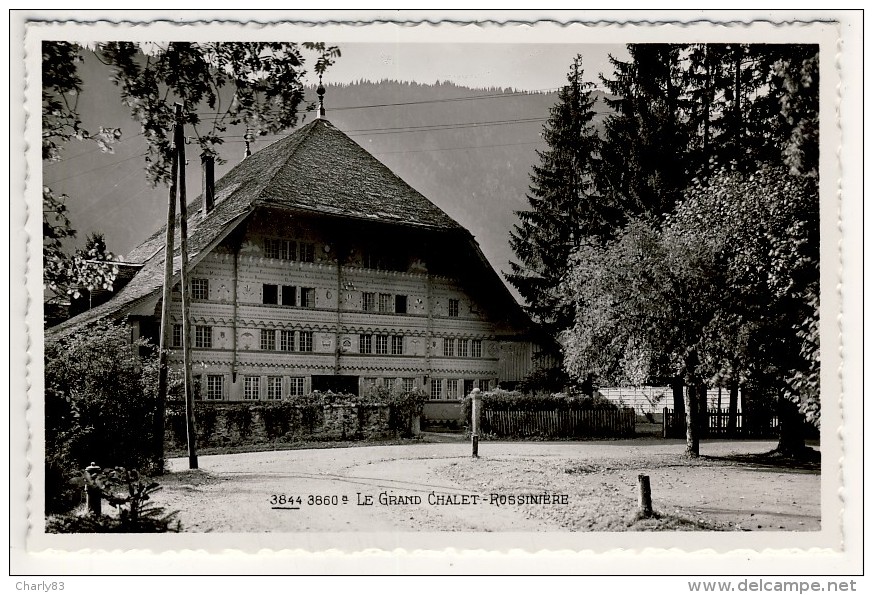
{"x": 438, "y": 487}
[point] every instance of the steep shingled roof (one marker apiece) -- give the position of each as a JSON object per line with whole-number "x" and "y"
{"x": 317, "y": 168}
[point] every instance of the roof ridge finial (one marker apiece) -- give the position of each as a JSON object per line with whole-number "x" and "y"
{"x": 320, "y": 91}
{"x": 249, "y": 137}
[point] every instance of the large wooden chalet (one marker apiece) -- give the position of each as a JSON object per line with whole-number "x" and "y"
{"x": 314, "y": 267}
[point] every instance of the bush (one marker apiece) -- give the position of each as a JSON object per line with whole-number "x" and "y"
{"x": 99, "y": 405}
{"x": 405, "y": 406}
{"x": 131, "y": 495}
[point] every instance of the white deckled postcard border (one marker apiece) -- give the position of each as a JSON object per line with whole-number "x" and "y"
{"x": 776, "y": 552}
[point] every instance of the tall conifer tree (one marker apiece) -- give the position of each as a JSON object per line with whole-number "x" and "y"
{"x": 647, "y": 138}
{"x": 564, "y": 207}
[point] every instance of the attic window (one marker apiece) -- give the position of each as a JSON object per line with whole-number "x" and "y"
{"x": 280, "y": 249}
{"x": 385, "y": 302}
{"x": 307, "y": 252}
{"x": 289, "y": 295}
{"x": 307, "y": 297}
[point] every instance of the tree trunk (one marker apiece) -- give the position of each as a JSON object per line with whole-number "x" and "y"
{"x": 732, "y": 407}
{"x": 692, "y": 441}
{"x": 791, "y": 442}
{"x": 678, "y": 406}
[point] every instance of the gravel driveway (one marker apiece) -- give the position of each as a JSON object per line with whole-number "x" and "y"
{"x": 438, "y": 487}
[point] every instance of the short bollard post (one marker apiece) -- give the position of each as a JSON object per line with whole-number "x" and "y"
{"x": 92, "y": 492}
{"x": 474, "y": 414}
{"x": 645, "y": 499}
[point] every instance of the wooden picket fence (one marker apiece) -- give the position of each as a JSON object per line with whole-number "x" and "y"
{"x": 590, "y": 423}
{"x": 717, "y": 424}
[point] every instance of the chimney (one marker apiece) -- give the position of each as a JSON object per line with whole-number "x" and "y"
{"x": 207, "y": 161}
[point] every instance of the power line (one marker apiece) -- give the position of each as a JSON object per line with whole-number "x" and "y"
{"x": 435, "y": 127}
{"x": 538, "y": 142}
{"x": 403, "y": 129}
{"x": 425, "y": 101}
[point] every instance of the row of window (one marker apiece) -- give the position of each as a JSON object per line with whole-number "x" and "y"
{"x": 405, "y": 384}
{"x": 202, "y": 336}
{"x": 254, "y": 387}
{"x": 289, "y": 250}
{"x": 387, "y": 303}
{"x": 366, "y": 344}
{"x": 286, "y": 340}
{"x": 454, "y": 387}
{"x": 462, "y": 347}
{"x": 282, "y": 249}
{"x": 289, "y": 340}
{"x": 287, "y": 295}
{"x": 304, "y": 297}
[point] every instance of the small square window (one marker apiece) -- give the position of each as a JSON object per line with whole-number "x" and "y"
{"x": 382, "y": 344}
{"x": 199, "y": 289}
{"x": 289, "y": 250}
{"x": 307, "y": 297}
{"x": 369, "y": 301}
{"x": 295, "y": 386}
{"x": 400, "y": 304}
{"x": 268, "y": 340}
{"x": 408, "y": 384}
{"x": 386, "y": 302}
{"x": 365, "y": 343}
{"x": 289, "y": 295}
{"x": 274, "y": 388}
{"x": 203, "y": 337}
{"x": 271, "y": 294}
{"x": 307, "y": 252}
{"x": 272, "y": 248}
{"x": 215, "y": 387}
{"x": 436, "y": 388}
{"x": 476, "y": 347}
{"x": 252, "y": 388}
{"x": 305, "y": 340}
{"x": 397, "y": 345}
{"x": 286, "y": 340}
{"x": 452, "y": 389}
{"x": 454, "y": 308}
{"x": 463, "y": 347}
{"x": 449, "y": 347}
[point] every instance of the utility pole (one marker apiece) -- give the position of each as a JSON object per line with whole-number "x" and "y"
{"x": 186, "y": 293}
{"x": 165, "y": 310}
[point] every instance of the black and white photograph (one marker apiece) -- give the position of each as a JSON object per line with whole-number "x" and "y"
{"x": 338, "y": 288}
